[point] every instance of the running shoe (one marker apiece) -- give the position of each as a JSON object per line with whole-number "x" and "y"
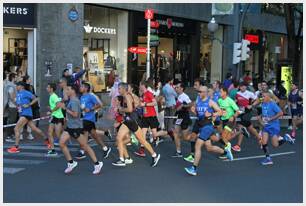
{"x": 140, "y": 152}
{"x": 46, "y": 142}
{"x": 177, "y": 154}
{"x": 30, "y": 137}
{"x": 223, "y": 157}
{"x": 128, "y": 161}
{"x": 267, "y": 161}
{"x": 236, "y": 148}
{"x": 129, "y": 144}
{"x": 157, "y": 142}
{"x": 189, "y": 158}
{"x": 80, "y": 156}
{"x": 106, "y": 153}
{"x": 229, "y": 154}
{"x": 119, "y": 163}
{"x": 51, "y": 153}
{"x": 97, "y": 168}
{"x": 245, "y": 132}
{"x": 10, "y": 139}
{"x": 70, "y": 167}
{"x": 155, "y": 160}
{"x": 288, "y": 138}
{"x": 228, "y": 146}
{"x": 56, "y": 141}
{"x": 108, "y": 134}
{"x": 13, "y": 150}
{"x": 190, "y": 170}
{"x": 21, "y": 137}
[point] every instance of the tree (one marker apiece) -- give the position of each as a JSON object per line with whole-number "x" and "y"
{"x": 294, "y": 12}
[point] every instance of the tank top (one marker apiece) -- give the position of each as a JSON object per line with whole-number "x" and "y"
{"x": 130, "y": 115}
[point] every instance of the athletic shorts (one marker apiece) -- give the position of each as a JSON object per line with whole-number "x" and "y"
{"x": 245, "y": 119}
{"x": 296, "y": 112}
{"x": 206, "y": 132}
{"x": 29, "y": 118}
{"x": 183, "y": 123}
{"x": 196, "y": 127}
{"x": 131, "y": 124}
{"x": 88, "y": 126}
{"x": 54, "y": 120}
{"x": 151, "y": 122}
{"x": 228, "y": 125}
{"x": 272, "y": 131}
{"x": 75, "y": 133}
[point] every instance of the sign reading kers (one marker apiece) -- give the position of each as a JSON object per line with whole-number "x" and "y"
{"x": 149, "y": 14}
{"x": 19, "y": 15}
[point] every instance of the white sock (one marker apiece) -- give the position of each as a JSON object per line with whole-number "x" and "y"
{"x": 105, "y": 148}
{"x": 154, "y": 155}
{"x": 122, "y": 159}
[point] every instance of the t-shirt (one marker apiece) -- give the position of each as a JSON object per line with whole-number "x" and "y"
{"x": 149, "y": 111}
{"x": 202, "y": 107}
{"x": 229, "y": 106}
{"x": 270, "y": 109}
{"x": 88, "y": 101}
{"x": 24, "y": 97}
{"x": 169, "y": 94}
{"x": 183, "y": 99}
{"x": 244, "y": 99}
{"x": 74, "y": 122}
{"x": 216, "y": 96}
{"x": 233, "y": 93}
{"x": 53, "y": 100}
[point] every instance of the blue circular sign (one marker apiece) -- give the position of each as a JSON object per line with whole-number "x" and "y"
{"x": 73, "y": 14}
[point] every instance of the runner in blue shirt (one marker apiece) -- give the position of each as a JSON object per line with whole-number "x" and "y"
{"x": 24, "y": 101}
{"x": 89, "y": 104}
{"x": 270, "y": 116}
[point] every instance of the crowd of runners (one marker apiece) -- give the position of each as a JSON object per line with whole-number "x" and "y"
{"x": 220, "y": 115}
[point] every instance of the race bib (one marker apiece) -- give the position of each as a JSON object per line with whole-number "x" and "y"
{"x": 179, "y": 121}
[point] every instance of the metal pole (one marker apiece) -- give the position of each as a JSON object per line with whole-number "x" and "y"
{"x": 148, "y": 49}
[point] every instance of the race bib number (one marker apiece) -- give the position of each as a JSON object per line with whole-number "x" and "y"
{"x": 179, "y": 121}
{"x": 242, "y": 109}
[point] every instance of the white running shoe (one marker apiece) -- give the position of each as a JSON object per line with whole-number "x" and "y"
{"x": 30, "y": 137}
{"x": 128, "y": 161}
{"x": 98, "y": 168}
{"x": 70, "y": 167}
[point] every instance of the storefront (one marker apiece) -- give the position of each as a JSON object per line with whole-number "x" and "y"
{"x": 105, "y": 44}
{"x": 19, "y": 39}
{"x": 177, "y": 53}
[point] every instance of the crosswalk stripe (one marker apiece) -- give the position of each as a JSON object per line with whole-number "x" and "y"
{"x": 12, "y": 170}
{"x": 31, "y": 154}
{"x": 39, "y": 147}
{"x": 22, "y": 162}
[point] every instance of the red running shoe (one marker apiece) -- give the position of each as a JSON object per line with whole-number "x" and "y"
{"x": 140, "y": 152}
{"x": 13, "y": 150}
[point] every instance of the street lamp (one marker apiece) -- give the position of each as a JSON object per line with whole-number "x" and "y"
{"x": 212, "y": 26}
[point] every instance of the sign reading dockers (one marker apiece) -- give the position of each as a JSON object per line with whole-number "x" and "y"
{"x": 101, "y": 30}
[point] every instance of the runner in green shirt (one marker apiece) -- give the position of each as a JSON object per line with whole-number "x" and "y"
{"x": 230, "y": 113}
{"x": 57, "y": 118}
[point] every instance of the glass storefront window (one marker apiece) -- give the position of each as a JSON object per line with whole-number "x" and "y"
{"x": 105, "y": 45}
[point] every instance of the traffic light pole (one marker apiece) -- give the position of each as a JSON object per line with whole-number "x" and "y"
{"x": 148, "y": 48}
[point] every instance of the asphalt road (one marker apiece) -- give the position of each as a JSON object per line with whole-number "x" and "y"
{"x": 42, "y": 179}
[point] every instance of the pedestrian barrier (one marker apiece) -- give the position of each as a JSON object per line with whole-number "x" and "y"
{"x": 238, "y": 119}
{"x": 38, "y": 119}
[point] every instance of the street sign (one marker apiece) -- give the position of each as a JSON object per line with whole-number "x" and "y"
{"x": 149, "y": 14}
{"x": 252, "y": 38}
{"x": 138, "y": 50}
{"x": 154, "y": 38}
{"x": 154, "y": 24}
{"x": 154, "y": 43}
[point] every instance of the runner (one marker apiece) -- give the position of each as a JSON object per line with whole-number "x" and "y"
{"x": 128, "y": 125}
{"x": 230, "y": 113}
{"x": 296, "y": 106}
{"x": 57, "y": 117}
{"x": 245, "y": 101}
{"x": 183, "y": 121}
{"x": 24, "y": 101}
{"x": 270, "y": 115}
{"x": 74, "y": 129}
{"x": 89, "y": 104}
{"x": 205, "y": 108}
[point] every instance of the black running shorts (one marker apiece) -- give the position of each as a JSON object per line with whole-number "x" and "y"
{"x": 151, "y": 122}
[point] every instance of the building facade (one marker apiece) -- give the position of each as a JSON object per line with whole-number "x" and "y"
{"x": 56, "y": 37}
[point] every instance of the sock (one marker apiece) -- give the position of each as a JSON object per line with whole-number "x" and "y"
{"x": 105, "y": 148}
{"x": 266, "y": 150}
{"x": 97, "y": 163}
{"x": 122, "y": 159}
{"x": 154, "y": 155}
{"x": 280, "y": 142}
{"x": 192, "y": 145}
{"x": 70, "y": 161}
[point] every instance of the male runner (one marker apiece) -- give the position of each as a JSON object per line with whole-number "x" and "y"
{"x": 24, "y": 101}
{"x": 74, "y": 129}
{"x": 205, "y": 108}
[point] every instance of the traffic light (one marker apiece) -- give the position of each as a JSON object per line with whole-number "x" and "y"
{"x": 237, "y": 53}
{"x": 245, "y": 49}
{"x": 154, "y": 39}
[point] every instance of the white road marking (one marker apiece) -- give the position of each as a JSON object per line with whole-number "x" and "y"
{"x": 39, "y": 147}
{"x": 12, "y": 170}
{"x": 22, "y": 162}
{"x": 31, "y": 154}
{"x": 261, "y": 156}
